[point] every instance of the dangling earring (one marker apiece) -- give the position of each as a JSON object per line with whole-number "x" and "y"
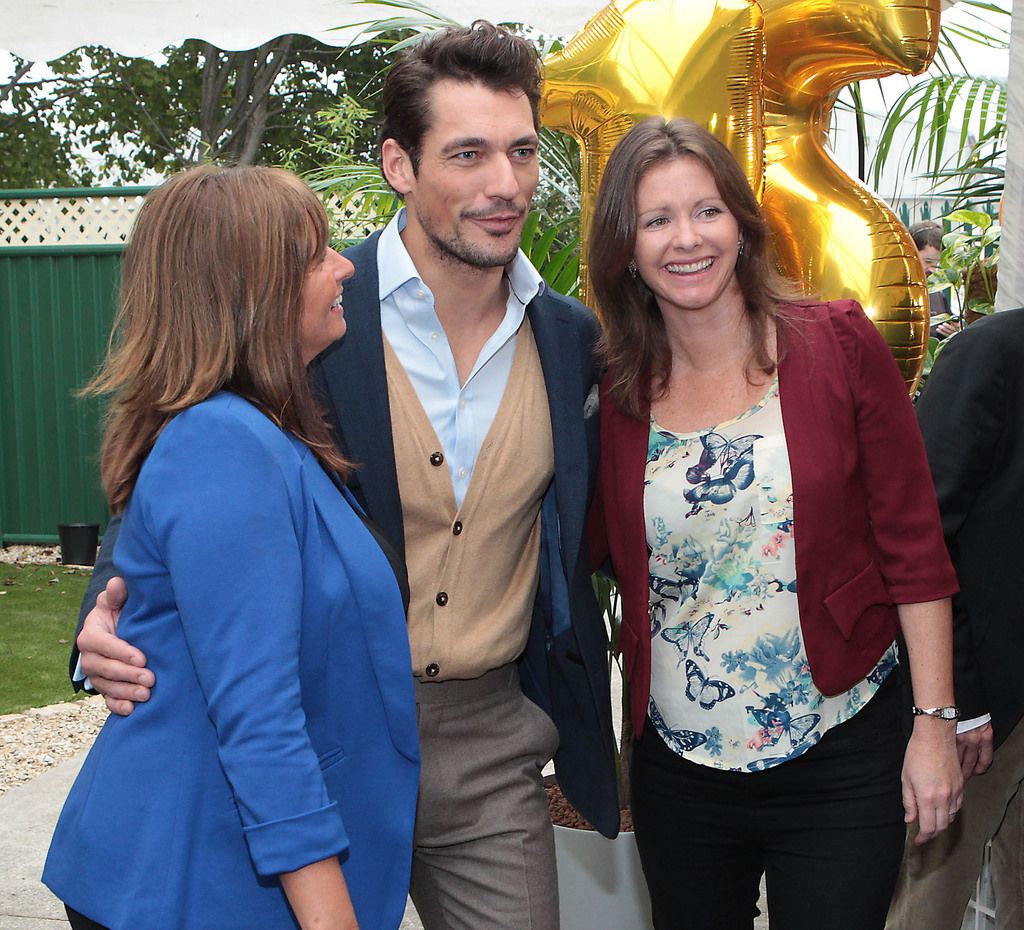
{"x": 631, "y": 268}
{"x": 740, "y": 251}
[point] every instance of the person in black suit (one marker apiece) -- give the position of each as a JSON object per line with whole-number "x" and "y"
{"x": 972, "y": 418}
{"x": 445, "y": 294}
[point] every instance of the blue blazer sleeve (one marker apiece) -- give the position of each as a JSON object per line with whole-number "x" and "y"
{"x": 221, "y": 499}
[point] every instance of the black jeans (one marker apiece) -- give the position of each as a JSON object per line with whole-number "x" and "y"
{"x": 826, "y": 829}
{"x": 80, "y": 921}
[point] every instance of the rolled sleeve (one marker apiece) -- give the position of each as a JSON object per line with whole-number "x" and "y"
{"x": 285, "y": 845}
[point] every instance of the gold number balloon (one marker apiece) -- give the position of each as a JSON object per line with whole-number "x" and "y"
{"x": 703, "y": 60}
{"x": 833, "y": 235}
{"x": 643, "y": 58}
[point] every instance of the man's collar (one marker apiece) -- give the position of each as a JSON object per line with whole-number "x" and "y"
{"x": 395, "y": 267}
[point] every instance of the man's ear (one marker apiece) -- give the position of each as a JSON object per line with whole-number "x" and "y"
{"x": 397, "y": 166}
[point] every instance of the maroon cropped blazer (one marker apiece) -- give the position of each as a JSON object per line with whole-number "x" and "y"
{"x": 866, "y": 524}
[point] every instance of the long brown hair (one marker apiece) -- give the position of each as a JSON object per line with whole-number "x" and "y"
{"x": 211, "y": 298}
{"x": 635, "y": 344}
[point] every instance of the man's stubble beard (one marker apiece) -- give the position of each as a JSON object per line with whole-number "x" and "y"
{"x": 454, "y": 249}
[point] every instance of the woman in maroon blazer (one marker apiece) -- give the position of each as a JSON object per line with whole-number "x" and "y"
{"x": 766, "y": 506}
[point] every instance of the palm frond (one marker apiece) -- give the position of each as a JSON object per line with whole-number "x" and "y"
{"x": 414, "y": 16}
{"x": 944, "y": 113}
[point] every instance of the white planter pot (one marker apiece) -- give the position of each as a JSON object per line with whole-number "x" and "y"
{"x": 600, "y": 883}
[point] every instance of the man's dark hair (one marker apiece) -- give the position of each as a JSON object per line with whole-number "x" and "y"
{"x": 482, "y": 52}
{"x": 927, "y": 233}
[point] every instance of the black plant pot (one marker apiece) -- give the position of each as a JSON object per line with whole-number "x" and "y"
{"x": 78, "y": 543}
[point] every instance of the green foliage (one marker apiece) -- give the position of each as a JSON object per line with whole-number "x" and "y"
{"x": 94, "y": 115}
{"x": 969, "y": 258}
{"x": 31, "y": 152}
{"x": 957, "y": 120}
{"x": 553, "y": 251}
{"x": 38, "y": 612}
{"x": 992, "y": 32}
{"x": 357, "y": 196}
{"x": 967, "y": 265}
{"x": 413, "y": 18}
{"x": 946, "y": 113}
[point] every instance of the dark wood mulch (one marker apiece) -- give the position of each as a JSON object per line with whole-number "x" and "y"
{"x": 565, "y": 815}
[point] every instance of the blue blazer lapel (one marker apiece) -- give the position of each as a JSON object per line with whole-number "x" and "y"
{"x": 560, "y": 349}
{"x": 353, "y": 376}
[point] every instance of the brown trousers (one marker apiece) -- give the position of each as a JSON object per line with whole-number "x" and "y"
{"x": 484, "y": 855}
{"x": 937, "y": 879}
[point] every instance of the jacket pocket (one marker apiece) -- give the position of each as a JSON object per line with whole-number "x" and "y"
{"x": 332, "y": 757}
{"x": 863, "y": 594}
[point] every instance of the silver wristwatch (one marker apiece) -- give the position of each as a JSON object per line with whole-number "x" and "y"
{"x": 950, "y": 712}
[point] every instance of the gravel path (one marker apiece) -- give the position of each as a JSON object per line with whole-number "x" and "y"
{"x": 32, "y": 742}
{"x": 35, "y": 555}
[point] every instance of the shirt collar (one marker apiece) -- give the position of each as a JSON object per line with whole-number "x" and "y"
{"x": 396, "y": 269}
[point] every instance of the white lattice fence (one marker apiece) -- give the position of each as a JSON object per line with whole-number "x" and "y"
{"x": 86, "y": 217}
{"x": 104, "y": 216}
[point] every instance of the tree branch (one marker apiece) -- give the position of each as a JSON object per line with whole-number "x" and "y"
{"x": 19, "y": 73}
{"x": 256, "y": 73}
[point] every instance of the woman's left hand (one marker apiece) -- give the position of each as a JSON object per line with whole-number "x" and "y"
{"x": 933, "y": 785}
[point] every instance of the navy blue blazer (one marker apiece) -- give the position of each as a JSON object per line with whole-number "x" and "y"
{"x": 564, "y": 668}
{"x": 282, "y": 728}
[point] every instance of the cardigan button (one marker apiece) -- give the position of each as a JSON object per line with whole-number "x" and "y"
{"x": 456, "y": 527}
{"x": 436, "y": 459}
{"x": 442, "y": 599}
{"x": 432, "y": 670}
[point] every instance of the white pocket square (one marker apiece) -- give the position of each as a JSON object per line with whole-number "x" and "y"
{"x": 592, "y": 404}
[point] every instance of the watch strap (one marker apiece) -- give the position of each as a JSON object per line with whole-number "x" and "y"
{"x": 949, "y": 712}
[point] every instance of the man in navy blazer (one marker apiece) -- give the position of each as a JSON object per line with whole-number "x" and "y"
{"x": 460, "y": 145}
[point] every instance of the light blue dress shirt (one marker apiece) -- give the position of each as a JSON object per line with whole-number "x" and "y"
{"x": 461, "y": 414}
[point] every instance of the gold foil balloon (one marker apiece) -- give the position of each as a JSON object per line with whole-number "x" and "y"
{"x": 833, "y": 235}
{"x": 695, "y": 58}
{"x": 702, "y": 60}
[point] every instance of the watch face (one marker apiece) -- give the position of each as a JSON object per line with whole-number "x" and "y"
{"x": 943, "y": 713}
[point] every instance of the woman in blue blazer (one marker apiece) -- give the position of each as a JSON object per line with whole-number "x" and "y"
{"x": 271, "y": 779}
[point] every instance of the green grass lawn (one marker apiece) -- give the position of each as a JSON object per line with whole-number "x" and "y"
{"x": 38, "y": 612}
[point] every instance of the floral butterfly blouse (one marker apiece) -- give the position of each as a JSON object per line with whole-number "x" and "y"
{"x": 730, "y": 683}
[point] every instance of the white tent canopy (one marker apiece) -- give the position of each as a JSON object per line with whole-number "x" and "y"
{"x": 41, "y": 30}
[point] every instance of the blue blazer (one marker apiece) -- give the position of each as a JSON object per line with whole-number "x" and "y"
{"x": 564, "y": 669}
{"x": 282, "y": 728}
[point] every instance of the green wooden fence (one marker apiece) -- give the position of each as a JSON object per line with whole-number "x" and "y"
{"x": 60, "y": 253}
